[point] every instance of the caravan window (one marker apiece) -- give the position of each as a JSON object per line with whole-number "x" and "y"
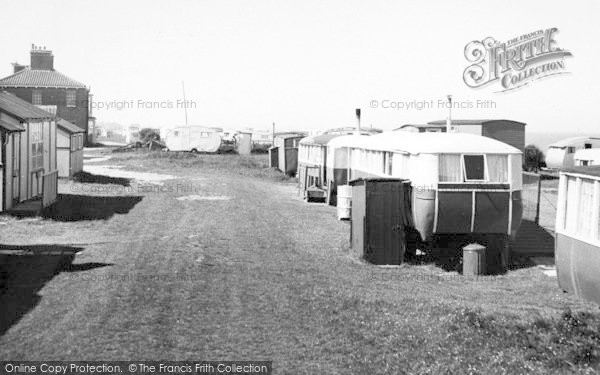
{"x": 450, "y": 168}
{"x": 176, "y": 133}
{"x": 461, "y": 168}
{"x": 474, "y": 167}
{"x": 570, "y": 150}
{"x": 387, "y": 163}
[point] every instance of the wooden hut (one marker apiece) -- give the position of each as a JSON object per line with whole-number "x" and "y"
{"x": 29, "y": 164}
{"x": 69, "y": 153}
{"x": 287, "y": 151}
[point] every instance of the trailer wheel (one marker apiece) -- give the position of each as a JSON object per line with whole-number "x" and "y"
{"x": 194, "y": 151}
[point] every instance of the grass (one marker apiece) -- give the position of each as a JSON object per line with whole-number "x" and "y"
{"x": 568, "y": 342}
{"x": 270, "y": 277}
{"x": 254, "y": 165}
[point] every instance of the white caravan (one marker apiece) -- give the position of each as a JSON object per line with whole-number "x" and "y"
{"x": 560, "y": 154}
{"x": 194, "y": 139}
{"x": 587, "y": 157}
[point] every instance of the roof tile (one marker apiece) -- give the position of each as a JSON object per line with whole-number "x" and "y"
{"x": 40, "y": 78}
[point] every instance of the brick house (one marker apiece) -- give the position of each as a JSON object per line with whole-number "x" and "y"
{"x": 42, "y": 85}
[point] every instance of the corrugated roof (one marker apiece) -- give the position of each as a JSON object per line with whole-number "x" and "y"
{"x": 11, "y": 127}
{"x": 20, "y": 108}
{"x": 40, "y": 78}
{"x": 69, "y": 126}
{"x": 471, "y": 122}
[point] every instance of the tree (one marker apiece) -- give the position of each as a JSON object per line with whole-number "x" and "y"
{"x": 147, "y": 134}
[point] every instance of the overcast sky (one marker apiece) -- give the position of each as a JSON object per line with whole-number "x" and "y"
{"x": 304, "y": 64}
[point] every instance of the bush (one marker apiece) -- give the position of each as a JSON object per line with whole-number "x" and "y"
{"x": 147, "y": 134}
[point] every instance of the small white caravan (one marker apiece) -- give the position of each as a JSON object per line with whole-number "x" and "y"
{"x": 194, "y": 139}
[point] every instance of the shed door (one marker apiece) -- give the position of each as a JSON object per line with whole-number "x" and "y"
{"x": 384, "y": 218}
{"x": 16, "y": 163}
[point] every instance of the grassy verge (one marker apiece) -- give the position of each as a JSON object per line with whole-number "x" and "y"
{"x": 255, "y": 165}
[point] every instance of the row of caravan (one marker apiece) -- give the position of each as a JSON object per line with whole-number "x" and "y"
{"x": 575, "y": 151}
{"x": 463, "y": 185}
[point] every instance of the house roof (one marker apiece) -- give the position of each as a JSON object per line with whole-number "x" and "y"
{"x": 40, "y": 78}
{"x": 20, "y": 108}
{"x": 571, "y": 141}
{"x": 69, "y": 126}
{"x": 11, "y": 127}
{"x": 472, "y": 122}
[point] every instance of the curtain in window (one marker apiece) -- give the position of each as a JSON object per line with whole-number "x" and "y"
{"x": 497, "y": 166}
{"x": 572, "y": 206}
{"x": 584, "y": 219}
{"x": 450, "y": 168}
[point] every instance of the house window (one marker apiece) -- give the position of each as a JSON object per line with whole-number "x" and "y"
{"x": 474, "y": 167}
{"x": 71, "y": 98}
{"x": 587, "y": 145}
{"x": 74, "y": 142}
{"x": 36, "y": 97}
{"x": 570, "y": 150}
{"x": 176, "y": 133}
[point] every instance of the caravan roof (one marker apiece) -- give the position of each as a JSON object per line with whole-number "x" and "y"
{"x": 354, "y": 140}
{"x": 434, "y": 143}
{"x": 321, "y": 139}
{"x": 570, "y": 141}
{"x": 588, "y": 154}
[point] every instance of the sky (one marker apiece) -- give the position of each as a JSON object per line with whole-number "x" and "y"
{"x": 304, "y": 64}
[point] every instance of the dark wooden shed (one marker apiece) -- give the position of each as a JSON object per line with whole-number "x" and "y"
{"x": 380, "y": 214}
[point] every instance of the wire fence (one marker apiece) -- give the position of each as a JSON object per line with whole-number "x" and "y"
{"x": 539, "y": 199}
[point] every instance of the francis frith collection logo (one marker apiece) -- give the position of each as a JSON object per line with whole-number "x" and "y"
{"x": 515, "y": 63}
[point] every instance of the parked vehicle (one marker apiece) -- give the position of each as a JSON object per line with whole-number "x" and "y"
{"x": 194, "y": 139}
{"x": 561, "y": 154}
{"x": 577, "y": 239}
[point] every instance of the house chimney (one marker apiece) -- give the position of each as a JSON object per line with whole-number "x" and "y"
{"x": 41, "y": 59}
{"x": 18, "y": 67}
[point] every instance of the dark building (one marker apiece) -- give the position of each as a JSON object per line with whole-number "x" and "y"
{"x": 507, "y": 131}
{"x": 42, "y": 85}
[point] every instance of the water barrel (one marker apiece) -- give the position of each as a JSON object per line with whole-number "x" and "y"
{"x": 344, "y": 202}
{"x": 473, "y": 260}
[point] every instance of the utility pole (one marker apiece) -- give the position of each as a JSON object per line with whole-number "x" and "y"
{"x": 358, "y": 117}
{"x": 184, "y": 103}
{"x": 449, "y": 118}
